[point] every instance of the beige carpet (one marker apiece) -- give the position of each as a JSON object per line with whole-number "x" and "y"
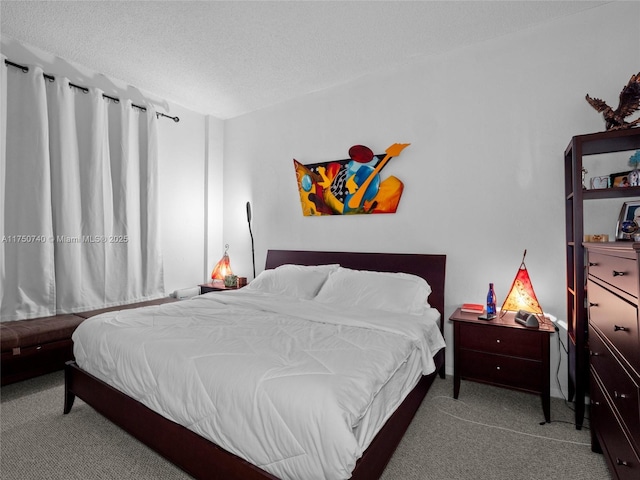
{"x": 488, "y": 433}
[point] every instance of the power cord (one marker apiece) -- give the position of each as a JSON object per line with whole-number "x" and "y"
{"x": 507, "y": 429}
{"x": 566, "y": 401}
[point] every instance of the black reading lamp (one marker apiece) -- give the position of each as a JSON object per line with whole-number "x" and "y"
{"x": 253, "y": 256}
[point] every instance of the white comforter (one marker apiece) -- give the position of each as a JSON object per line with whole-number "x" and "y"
{"x": 289, "y": 385}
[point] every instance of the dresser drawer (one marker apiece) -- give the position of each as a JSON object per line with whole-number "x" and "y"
{"x": 621, "y": 456}
{"x": 501, "y": 370}
{"x": 620, "y": 272}
{"x": 502, "y": 341}
{"x": 621, "y": 388}
{"x": 617, "y": 320}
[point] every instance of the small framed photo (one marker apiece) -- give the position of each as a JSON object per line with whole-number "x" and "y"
{"x": 600, "y": 182}
{"x": 629, "y": 213}
{"x": 620, "y": 179}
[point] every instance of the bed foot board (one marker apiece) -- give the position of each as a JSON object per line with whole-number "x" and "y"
{"x": 202, "y": 459}
{"x": 187, "y": 450}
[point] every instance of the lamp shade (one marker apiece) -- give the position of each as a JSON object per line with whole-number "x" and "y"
{"x": 521, "y": 295}
{"x": 223, "y": 267}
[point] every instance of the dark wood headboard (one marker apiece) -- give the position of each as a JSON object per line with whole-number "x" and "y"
{"x": 431, "y": 267}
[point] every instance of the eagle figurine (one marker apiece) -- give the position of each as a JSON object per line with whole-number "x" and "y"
{"x": 629, "y": 103}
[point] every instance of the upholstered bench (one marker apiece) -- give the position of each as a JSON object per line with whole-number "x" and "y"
{"x": 42, "y": 345}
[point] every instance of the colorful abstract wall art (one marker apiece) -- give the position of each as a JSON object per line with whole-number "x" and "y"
{"x": 350, "y": 186}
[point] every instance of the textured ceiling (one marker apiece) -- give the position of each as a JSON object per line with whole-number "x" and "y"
{"x": 226, "y": 58}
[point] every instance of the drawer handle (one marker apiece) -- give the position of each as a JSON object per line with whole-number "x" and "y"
{"x": 594, "y": 354}
{"x": 497, "y": 368}
{"x": 619, "y": 461}
{"x": 617, "y": 328}
{"x": 593, "y": 264}
{"x": 591, "y": 304}
{"x": 620, "y": 395}
{"x": 498, "y": 341}
{"x": 617, "y": 273}
{"x": 595, "y": 403}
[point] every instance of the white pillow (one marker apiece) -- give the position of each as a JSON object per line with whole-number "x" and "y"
{"x": 300, "y": 281}
{"x": 391, "y": 292}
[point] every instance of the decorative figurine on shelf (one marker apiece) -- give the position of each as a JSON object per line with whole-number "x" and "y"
{"x": 628, "y": 104}
{"x": 584, "y": 174}
{"x": 634, "y": 175}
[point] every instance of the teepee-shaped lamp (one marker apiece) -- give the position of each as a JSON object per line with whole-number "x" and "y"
{"x": 223, "y": 267}
{"x": 521, "y": 296}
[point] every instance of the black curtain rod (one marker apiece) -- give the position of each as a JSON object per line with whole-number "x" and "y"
{"x": 51, "y": 78}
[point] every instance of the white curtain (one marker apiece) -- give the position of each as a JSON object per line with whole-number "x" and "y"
{"x": 80, "y": 200}
{"x": 3, "y": 163}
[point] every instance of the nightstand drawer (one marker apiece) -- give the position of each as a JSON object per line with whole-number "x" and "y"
{"x": 620, "y": 387}
{"x": 502, "y": 341}
{"x": 617, "y": 320}
{"x": 620, "y": 272}
{"x": 501, "y": 370}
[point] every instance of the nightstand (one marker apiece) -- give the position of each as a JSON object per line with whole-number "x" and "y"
{"x": 214, "y": 287}
{"x": 503, "y": 353}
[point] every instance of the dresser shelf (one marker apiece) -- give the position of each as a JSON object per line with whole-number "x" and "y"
{"x": 578, "y": 332}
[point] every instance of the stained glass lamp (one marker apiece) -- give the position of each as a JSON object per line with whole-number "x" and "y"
{"x": 223, "y": 267}
{"x": 521, "y": 295}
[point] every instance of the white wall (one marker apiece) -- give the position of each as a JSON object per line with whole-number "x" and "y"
{"x": 483, "y": 176}
{"x": 214, "y": 174}
{"x": 190, "y": 159}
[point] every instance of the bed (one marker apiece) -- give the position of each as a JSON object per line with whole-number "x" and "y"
{"x": 196, "y": 452}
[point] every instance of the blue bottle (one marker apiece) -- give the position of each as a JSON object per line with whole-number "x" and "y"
{"x": 491, "y": 301}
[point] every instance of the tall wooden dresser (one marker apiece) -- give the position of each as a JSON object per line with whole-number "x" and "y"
{"x": 614, "y": 353}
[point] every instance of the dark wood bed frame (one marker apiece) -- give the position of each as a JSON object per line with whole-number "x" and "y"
{"x": 203, "y": 459}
